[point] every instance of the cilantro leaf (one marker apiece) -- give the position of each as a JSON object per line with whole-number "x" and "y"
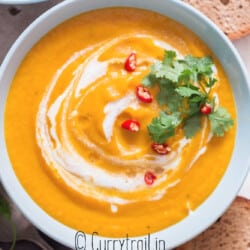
{"x": 186, "y": 77}
{"x": 188, "y": 92}
{"x": 169, "y": 56}
{"x": 170, "y": 72}
{"x": 166, "y": 90}
{"x": 193, "y": 108}
{"x": 164, "y": 71}
{"x": 201, "y": 65}
{"x": 194, "y": 98}
{"x": 149, "y": 80}
{"x": 174, "y": 102}
{"x": 192, "y": 125}
{"x": 163, "y": 126}
{"x": 220, "y": 121}
{"x": 4, "y": 208}
{"x": 200, "y": 70}
{"x": 167, "y": 95}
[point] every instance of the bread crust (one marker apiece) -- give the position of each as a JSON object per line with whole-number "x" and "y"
{"x": 230, "y": 232}
{"x": 232, "y": 16}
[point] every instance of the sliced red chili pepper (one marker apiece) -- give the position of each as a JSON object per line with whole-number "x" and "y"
{"x": 130, "y": 63}
{"x": 161, "y": 149}
{"x": 206, "y": 109}
{"x": 131, "y": 125}
{"x": 149, "y": 178}
{"x": 143, "y": 94}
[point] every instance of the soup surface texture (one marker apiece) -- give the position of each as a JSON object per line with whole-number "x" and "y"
{"x": 63, "y": 129}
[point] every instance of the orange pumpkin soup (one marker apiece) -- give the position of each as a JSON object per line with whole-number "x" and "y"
{"x": 68, "y": 126}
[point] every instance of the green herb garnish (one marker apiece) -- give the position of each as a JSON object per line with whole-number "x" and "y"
{"x": 6, "y": 213}
{"x": 4, "y": 208}
{"x": 184, "y": 88}
{"x": 220, "y": 121}
{"x": 163, "y": 127}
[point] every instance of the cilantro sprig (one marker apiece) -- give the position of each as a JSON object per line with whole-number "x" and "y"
{"x": 184, "y": 87}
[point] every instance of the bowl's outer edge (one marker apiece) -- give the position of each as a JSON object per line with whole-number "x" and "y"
{"x": 233, "y": 65}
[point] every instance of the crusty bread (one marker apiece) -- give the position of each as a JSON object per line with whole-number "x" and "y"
{"x": 230, "y": 232}
{"x": 232, "y": 16}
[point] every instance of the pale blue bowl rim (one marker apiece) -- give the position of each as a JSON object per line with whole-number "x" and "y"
{"x": 230, "y": 184}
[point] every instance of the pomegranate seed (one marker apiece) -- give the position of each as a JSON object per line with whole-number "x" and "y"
{"x": 161, "y": 149}
{"x": 130, "y": 63}
{"x": 149, "y": 178}
{"x": 206, "y": 109}
{"x": 143, "y": 94}
{"x": 131, "y": 125}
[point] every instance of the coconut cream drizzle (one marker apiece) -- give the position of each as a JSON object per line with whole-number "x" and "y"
{"x": 59, "y": 153}
{"x": 113, "y": 109}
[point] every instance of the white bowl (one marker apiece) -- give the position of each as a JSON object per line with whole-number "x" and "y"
{"x": 231, "y": 182}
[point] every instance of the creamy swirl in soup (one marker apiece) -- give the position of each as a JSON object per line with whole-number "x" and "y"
{"x": 63, "y": 126}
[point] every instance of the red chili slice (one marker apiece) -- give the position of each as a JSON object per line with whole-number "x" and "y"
{"x": 161, "y": 149}
{"x": 206, "y": 109}
{"x": 130, "y": 63}
{"x": 131, "y": 125}
{"x": 143, "y": 94}
{"x": 149, "y": 178}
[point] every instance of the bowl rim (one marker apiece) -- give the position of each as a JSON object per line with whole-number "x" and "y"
{"x": 173, "y": 235}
